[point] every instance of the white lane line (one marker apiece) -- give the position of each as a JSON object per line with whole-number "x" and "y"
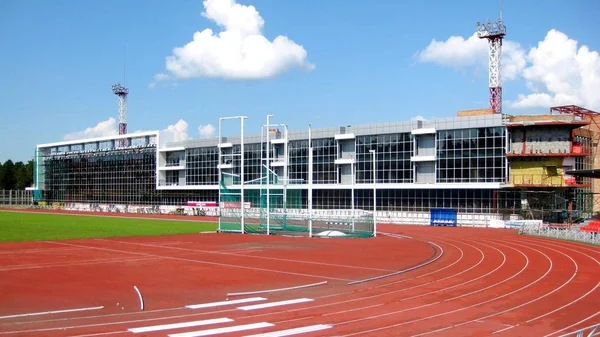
{"x": 574, "y": 324}
{"x": 276, "y": 290}
{"x": 217, "y": 252}
{"x": 195, "y": 260}
{"x": 69, "y": 264}
{"x": 295, "y": 331}
{"x": 51, "y": 312}
{"x": 180, "y": 325}
{"x": 234, "y": 328}
{"x": 404, "y": 270}
{"x": 502, "y": 330}
{"x": 275, "y": 304}
{"x": 217, "y": 304}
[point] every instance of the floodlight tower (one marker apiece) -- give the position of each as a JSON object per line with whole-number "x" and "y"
{"x": 122, "y": 93}
{"x": 494, "y": 32}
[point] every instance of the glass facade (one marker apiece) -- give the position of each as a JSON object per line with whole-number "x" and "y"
{"x": 324, "y": 155}
{"x": 393, "y": 153}
{"x": 119, "y": 176}
{"x": 201, "y": 166}
{"x": 298, "y": 160}
{"x": 471, "y": 155}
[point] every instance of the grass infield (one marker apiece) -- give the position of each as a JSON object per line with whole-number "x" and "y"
{"x": 22, "y": 226}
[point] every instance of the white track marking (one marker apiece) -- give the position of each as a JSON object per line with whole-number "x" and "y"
{"x": 502, "y": 330}
{"x": 402, "y": 271}
{"x": 276, "y": 290}
{"x": 275, "y": 304}
{"x": 351, "y": 310}
{"x": 96, "y": 316}
{"x": 498, "y": 283}
{"x": 100, "y": 334}
{"x": 295, "y": 331}
{"x": 51, "y": 312}
{"x": 446, "y": 267}
{"x": 140, "y": 297}
{"x": 463, "y": 283}
{"x": 433, "y": 272}
{"x": 574, "y": 324}
{"x": 384, "y": 294}
{"x": 180, "y": 325}
{"x": 82, "y": 326}
{"x": 36, "y": 250}
{"x": 456, "y": 310}
{"x": 69, "y": 264}
{"x": 217, "y": 331}
{"x": 104, "y": 215}
{"x": 237, "y": 254}
{"x": 476, "y": 304}
{"x": 217, "y": 304}
{"x": 199, "y": 261}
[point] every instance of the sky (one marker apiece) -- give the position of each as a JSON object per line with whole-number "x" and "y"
{"x": 328, "y": 63}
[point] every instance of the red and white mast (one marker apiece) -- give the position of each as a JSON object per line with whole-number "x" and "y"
{"x": 494, "y": 32}
{"x": 122, "y": 93}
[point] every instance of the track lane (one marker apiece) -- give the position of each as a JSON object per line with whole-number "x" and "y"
{"x": 508, "y": 272}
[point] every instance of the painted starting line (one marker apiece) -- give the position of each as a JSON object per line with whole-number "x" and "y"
{"x": 249, "y": 307}
{"x": 234, "y": 328}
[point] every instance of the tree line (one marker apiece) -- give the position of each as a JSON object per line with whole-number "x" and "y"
{"x": 16, "y": 176}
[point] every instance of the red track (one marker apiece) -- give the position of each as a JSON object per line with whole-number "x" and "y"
{"x": 486, "y": 281}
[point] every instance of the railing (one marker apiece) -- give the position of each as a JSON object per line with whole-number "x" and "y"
{"x": 163, "y": 182}
{"x": 565, "y": 233}
{"x": 175, "y": 163}
{"x": 16, "y": 197}
{"x": 542, "y": 180}
{"x": 590, "y": 331}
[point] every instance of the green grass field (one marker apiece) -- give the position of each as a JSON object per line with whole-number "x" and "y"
{"x": 15, "y": 226}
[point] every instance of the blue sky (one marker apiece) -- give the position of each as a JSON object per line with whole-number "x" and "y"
{"x": 60, "y": 59}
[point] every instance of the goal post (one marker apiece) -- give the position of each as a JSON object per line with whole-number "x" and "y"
{"x": 230, "y": 204}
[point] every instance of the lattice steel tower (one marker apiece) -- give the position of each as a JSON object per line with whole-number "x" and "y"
{"x": 494, "y": 32}
{"x": 122, "y": 93}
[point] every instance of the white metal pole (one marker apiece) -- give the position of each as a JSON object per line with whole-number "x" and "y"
{"x": 242, "y": 170}
{"x": 285, "y": 172}
{"x": 219, "y": 170}
{"x": 352, "y": 195}
{"x": 374, "y": 195}
{"x": 310, "y": 180}
{"x": 268, "y": 176}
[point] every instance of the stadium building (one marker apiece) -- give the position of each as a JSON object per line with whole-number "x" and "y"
{"x": 485, "y": 166}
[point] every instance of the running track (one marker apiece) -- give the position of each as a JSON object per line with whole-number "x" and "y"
{"x": 482, "y": 282}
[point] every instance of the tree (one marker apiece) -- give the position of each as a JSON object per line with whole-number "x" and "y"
{"x": 8, "y": 175}
{"x": 16, "y": 176}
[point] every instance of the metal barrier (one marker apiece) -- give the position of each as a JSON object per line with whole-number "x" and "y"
{"x": 559, "y": 232}
{"x": 16, "y": 197}
{"x": 590, "y": 331}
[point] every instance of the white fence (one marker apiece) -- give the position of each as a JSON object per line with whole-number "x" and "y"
{"x": 16, "y": 197}
{"x": 396, "y": 217}
{"x": 557, "y": 232}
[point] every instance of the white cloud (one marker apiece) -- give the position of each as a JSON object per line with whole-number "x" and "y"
{"x": 108, "y": 127}
{"x": 458, "y": 52}
{"x": 239, "y": 51}
{"x": 418, "y": 118}
{"x": 177, "y": 132}
{"x": 206, "y": 130}
{"x": 561, "y": 73}
{"x": 557, "y": 71}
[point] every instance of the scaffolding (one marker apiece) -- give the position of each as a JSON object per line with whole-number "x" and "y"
{"x": 16, "y": 197}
